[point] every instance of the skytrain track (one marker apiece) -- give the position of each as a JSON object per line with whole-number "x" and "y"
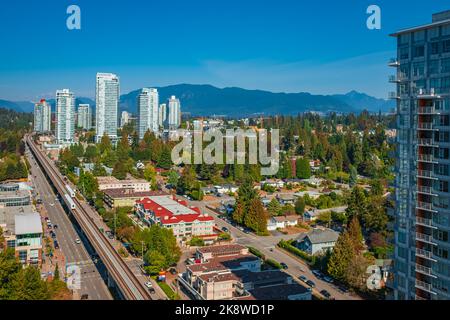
{"x": 127, "y": 282}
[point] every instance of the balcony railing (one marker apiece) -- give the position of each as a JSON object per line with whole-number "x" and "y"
{"x": 394, "y": 63}
{"x": 425, "y": 126}
{"x": 424, "y": 286}
{"x": 424, "y": 254}
{"x": 424, "y": 221}
{"x": 426, "y": 190}
{"x": 424, "y": 238}
{"x": 425, "y": 158}
{"x": 426, "y": 142}
{"x": 427, "y": 110}
{"x": 394, "y": 95}
{"x": 425, "y": 174}
{"x": 419, "y": 298}
{"x": 425, "y": 205}
{"x": 424, "y": 270}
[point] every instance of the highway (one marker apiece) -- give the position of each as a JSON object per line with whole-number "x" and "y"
{"x": 128, "y": 284}
{"x": 92, "y": 282}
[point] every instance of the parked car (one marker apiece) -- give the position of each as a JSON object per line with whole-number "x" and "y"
{"x": 56, "y": 244}
{"x": 77, "y": 241}
{"x": 225, "y": 229}
{"x": 317, "y": 273}
{"x": 328, "y": 279}
{"x": 173, "y": 271}
{"x": 326, "y": 294}
{"x": 303, "y": 278}
{"x": 343, "y": 289}
{"x": 55, "y": 226}
{"x": 284, "y": 265}
{"x": 311, "y": 284}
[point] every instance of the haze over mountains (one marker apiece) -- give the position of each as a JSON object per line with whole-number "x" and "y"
{"x": 208, "y": 100}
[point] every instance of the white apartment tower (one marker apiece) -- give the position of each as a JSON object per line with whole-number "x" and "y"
{"x": 125, "y": 119}
{"x": 162, "y": 115}
{"x": 148, "y": 104}
{"x": 174, "y": 118}
{"x": 84, "y": 116}
{"x": 65, "y": 116}
{"x": 42, "y": 117}
{"x": 107, "y": 104}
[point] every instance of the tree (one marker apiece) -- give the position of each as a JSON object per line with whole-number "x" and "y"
{"x": 325, "y": 217}
{"x": 105, "y": 145}
{"x": 120, "y": 171}
{"x": 238, "y": 213}
{"x": 56, "y": 273}
{"x": 123, "y": 148}
{"x": 300, "y": 206}
{"x": 150, "y": 175}
{"x": 303, "y": 168}
{"x": 88, "y": 185}
{"x": 173, "y": 178}
{"x": 357, "y": 203}
{"x": 356, "y": 272}
{"x": 353, "y": 176}
{"x": 2, "y": 239}
{"x": 343, "y": 253}
{"x": 186, "y": 181}
{"x": 155, "y": 262}
{"x": 91, "y": 153}
{"x": 274, "y": 207}
{"x": 28, "y": 285}
{"x": 355, "y": 234}
{"x": 256, "y": 217}
{"x": 165, "y": 159}
{"x": 99, "y": 170}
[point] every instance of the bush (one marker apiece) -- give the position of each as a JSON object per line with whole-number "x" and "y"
{"x": 257, "y": 253}
{"x": 274, "y": 263}
{"x": 197, "y": 242}
{"x": 299, "y": 253}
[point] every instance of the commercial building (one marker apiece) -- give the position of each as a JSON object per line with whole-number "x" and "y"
{"x": 23, "y": 231}
{"x": 107, "y": 105}
{"x": 84, "y": 116}
{"x": 422, "y": 206}
{"x": 42, "y": 117}
{"x": 16, "y": 198}
{"x": 174, "y": 117}
{"x": 137, "y": 185}
{"x": 119, "y": 198}
{"x": 185, "y": 222}
{"x": 65, "y": 116}
{"x": 148, "y": 115}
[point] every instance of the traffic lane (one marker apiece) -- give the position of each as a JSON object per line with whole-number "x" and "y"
{"x": 66, "y": 235}
{"x": 135, "y": 268}
{"x": 278, "y": 255}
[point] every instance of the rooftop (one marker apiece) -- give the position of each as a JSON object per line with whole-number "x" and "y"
{"x": 28, "y": 223}
{"x": 320, "y": 236}
{"x": 438, "y": 19}
{"x": 130, "y": 193}
{"x": 222, "y": 250}
{"x": 114, "y": 180}
{"x": 222, "y": 263}
{"x": 278, "y": 292}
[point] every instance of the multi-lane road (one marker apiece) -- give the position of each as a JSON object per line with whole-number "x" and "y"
{"x": 92, "y": 283}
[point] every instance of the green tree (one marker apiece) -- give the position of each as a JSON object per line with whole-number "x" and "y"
{"x": 340, "y": 259}
{"x": 355, "y": 234}
{"x": 2, "y": 239}
{"x": 274, "y": 207}
{"x": 357, "y": 203}
{"x": 353, "y": 176}
{"x": 303, "y": 168}
{"x": 99, "y": 170}
{"x": 120, "y": 171}
{"x": 300, "y": 206}
{"x": 165, "y": 159}
{"x": 28, "y": 285}
{"x": 173, "y": 178}
{"x": 105, "y": 145}
{"x": 150, "y": 175}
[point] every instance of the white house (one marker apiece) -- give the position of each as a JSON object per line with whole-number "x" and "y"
{"x": 275, "y": 183}
{"x": 317, "y": 241}
{"x": 282, "y": 222}
{"x": 225, "y": 189}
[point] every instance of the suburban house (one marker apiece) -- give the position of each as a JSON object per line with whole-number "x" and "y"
{"x": 318, "y": 240}
{"x": 282, "y": 222}
{"x": 285, "y": 199}
{"x": 275, "y": 183}
{"x": 312, "y": 194}
{"x": 226, "y": 189}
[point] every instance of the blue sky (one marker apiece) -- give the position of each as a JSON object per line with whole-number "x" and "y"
{"x": 320, "y": 46}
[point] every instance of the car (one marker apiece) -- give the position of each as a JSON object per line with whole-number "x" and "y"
{"x": 173, "y": 271}
{"x": 56, "y": 244}
{"x": 77, "y": 241}
{"x": 303, "y": 278}
{"x": 53, "y": 235}
{"x": 55, "y": 226}
{"x": 149, "y": 284}
{"x": 311, "y": 284}
{"x": 52, "y": 204}
{"x": 85, "y": 297}
{"x": 328, "y": 279}
{"x": 46, "y": 219}
{"x": 326, "y": 294}
{"x": 284, "y": 265}
{"x": 317, "y": 273}
{"x": 225, "y": 229}
{"x": 342, "y": 289}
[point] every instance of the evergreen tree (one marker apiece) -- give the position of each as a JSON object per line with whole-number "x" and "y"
{"x": 357, "y": 203}
{"x": 238, "y": 213}
{"x": 300, "y": 206}
{"x": 303, "y": 168}
{"x": 274, "y": 207}
{"x": 165, "y": 159}
{"x": 340, "y": 259}
{"x": 355, "y": 234}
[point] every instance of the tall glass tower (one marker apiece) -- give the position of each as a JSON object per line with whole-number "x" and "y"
{"x": 84, "y": 116}
{"x": 65, "y": 116}
{"x": 107, "y": 105}
{"x": 422, "y": 210}
{"x": 148, "y": 105}
{"x": 42, "y": 117}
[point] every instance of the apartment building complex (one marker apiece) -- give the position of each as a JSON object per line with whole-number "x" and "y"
{"x": 137, "y": 185}
{"x": 422, "y": 226}
{"x": 148, "y": 111}
{"x": 42, "y": 117}
{"x": 168, "y": 212}
{"x": 107, "y": 105}
{"x": 84, "y": 116}
{"x": 65, "y": 116}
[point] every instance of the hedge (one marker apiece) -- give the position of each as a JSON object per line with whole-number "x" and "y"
{"x": 273, "y": 263}
{"x": 257, "y": 253}
{"x": 299, "y": 253}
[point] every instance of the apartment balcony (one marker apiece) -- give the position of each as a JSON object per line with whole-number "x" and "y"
{"x": 424, "y": 254}
{"x": 425, "y": 238}
{"x": 426, "y": 190}
{"x": 426, "y": 174}
{"x": 428, "y": 111}
{"x": 394, "y": 63}
{"x": 427, "y": 142}
{"x": 424, "y": 222}
{"x": 428, "y": 158}
{"x": 394, "y": 95}
{"x": 424, "y": 270}
{"x": 426, "y": 126}
{"x": 424, "y": 286}
{"x": 427, "y": 94}
{"x": 425, "y": 206}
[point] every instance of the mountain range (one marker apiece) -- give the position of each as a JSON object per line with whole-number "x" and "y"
{"x": 208, "y": 100}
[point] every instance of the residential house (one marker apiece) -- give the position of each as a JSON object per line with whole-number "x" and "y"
{"x": 282, "y": 222}
{"x": 318, "y": 240}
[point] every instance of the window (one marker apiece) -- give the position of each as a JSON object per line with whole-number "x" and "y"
{"x": 446, "y": 46}
{"x": 442, "y": 169}
{"x": 419, "y": 51}
{"x": 434, "y": 48}
{"x": 419, "y": 35}
{"x": 445, "y": 84}
{"x": 445, "y": 65}
{"x": 443, "y": 186}
{"x": 418, "y": 69}
{"x": 433, "y": 33}
{"x": 435, "y": 84}
{"x": 433, "y": 67}
{"x": 442, "y": 235}
{"x": 404, "y": 38}
{"x": 404, "y": 53}
{"x": 446, "y": 31}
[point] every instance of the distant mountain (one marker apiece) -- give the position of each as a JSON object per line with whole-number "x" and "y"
{"x": 209, "y": 100}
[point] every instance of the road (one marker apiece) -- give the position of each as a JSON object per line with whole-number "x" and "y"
{"x": 92, "y": 282}
{"x": 268, "y": 246}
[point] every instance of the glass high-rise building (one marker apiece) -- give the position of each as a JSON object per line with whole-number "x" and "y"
{"x": 148, "y": 116}
{"x": 174, "y": 118}
{"x": 84, "y": 116}
{"x": 107, "y": 105}
{"x": 42, "y": 117}
{"x": 65, "y": 116}
{"x": 422, "y": 208}
{"x": 162, "y": 115}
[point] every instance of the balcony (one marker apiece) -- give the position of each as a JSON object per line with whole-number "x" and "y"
{"x": 426, "y": 142}
{"x": 427, "y": 94}
{"x": 425, "y": 206}
{"x": 426, "y": 174}
{"x": 424, "y": 270}
{"x": 394, "y": 63}
{"x": 426, "y": 190}
{"x": 428, "y": 111}
{"x": 424, "y": 254}
{"x": 424, "y": 238}
{"x": 394, "y": 95}
{"x": 429, "y": 158}
{"x": 424, "y": 221}
{"x": 424, "y": 286}
{"x": 426, "y": 126}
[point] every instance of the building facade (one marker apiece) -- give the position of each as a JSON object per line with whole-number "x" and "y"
{"x": 162, "y": 116}
{"x": 174, "y": 117}
{"x": 422, "y": 204}
{"x": 125, "y": 119}
{"x": 84, "y": 116}
{"x": 107, "y": 105}
{"x": 42, "y": 117}
{"x": 148, "y": 116}
{"x": 65, "y": 116}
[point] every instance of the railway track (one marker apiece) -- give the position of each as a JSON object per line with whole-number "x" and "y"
{"x": 125, "y": 279}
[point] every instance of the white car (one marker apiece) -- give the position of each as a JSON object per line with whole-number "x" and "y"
{"x": 78, "y": 241}
{"x": 149, "y": 285}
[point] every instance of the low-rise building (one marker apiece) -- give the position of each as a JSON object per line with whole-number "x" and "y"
{"x": 286, "y": 198}
{"x": 119, "y": 198}
{"x": 226, "y": 189}
{"x": 138, "y": 185}
{"x": 318, "y": 240}
{"x": 282, "y": 222}
{"x": 275, "y": 183}
{"x": 16, "y": 198}
{"x": 185, "y": 222}
{"x": 22, "y": 230}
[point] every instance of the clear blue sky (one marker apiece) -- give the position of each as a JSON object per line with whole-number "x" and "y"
{"x": 283, "y": 45}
